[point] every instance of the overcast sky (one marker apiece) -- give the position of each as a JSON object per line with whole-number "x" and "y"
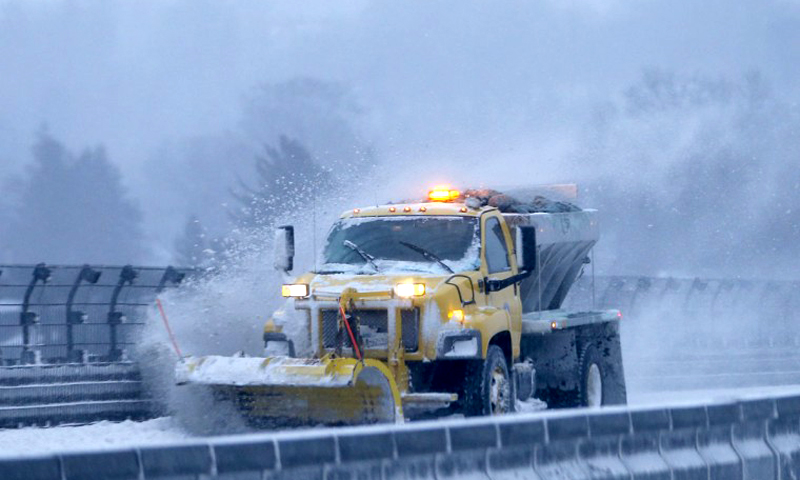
{"x": 451, "y": 85}
{"x": 133, "y": 74}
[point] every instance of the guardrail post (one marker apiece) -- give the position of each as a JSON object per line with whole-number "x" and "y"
{"x": 602, "y": 452}
{"x": 750, "y": 439}
{"x": 784, "y": 435}
{"x": 558, "y": 458}
{"x": 643, "y": 285}
{"x": 639, "y": 451}
{"x": 126, "y": 277}
{"x": 679, "y": 444}
{"x": 171, "y": 275}
{"x": 613, "y": 287}
{"x": 469, "y": 446}
{"x": 716, "y": 444}
{"x": 28, "y": 319}
{"x": 518, "y": 440}
{"x": 76, "y": 317}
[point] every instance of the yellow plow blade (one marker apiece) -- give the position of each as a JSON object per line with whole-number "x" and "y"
{"x": 282, "y": 391}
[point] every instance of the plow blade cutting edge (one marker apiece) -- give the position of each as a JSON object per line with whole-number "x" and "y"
{"x": 284, "y": 391}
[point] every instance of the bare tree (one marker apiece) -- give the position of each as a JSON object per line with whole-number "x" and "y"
{"x": 73, "y": 209}
{"x": 286, "y": 177}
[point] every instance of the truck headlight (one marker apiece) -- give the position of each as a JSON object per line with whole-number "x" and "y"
{"x": 407, "y": 290}
{"x": 295, "y": 290}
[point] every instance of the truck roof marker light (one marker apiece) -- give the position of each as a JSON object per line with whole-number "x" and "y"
{"x": 356, "y": 210}
{"x": 463, "y": 209}
{"x": 443, "y": 194}
{"x": 423, "y": 209}
{"x": 406, "y": 209}
{"x": 392, "y": 209}
{"x": 554, "y": 325}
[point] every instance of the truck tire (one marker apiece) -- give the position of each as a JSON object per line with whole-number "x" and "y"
{"x": 599, "y": 384}
{"x": 488, "y": 386}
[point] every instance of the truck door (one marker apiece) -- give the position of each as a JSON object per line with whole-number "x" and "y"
{"x": 498, "y": 264}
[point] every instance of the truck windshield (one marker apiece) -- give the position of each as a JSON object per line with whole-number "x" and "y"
{"x": 454, "y": 240}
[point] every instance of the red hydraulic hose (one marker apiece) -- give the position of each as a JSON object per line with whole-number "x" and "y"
{"x": 169, "y": 330}
{"x": 350, "y": 332}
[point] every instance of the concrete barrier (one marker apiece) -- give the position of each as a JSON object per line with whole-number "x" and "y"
{"x": 752, "y": 439}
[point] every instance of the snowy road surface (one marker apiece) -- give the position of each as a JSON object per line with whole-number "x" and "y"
{"x": 107, "y": 435}
{"x": 102, "y": 435}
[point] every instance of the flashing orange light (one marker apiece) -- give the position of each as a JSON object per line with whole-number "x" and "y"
{"x": 553, "y": 325}
{"x": 457, "y": 315}
{"x": 392, "y": 209}
{"x": 443, "y": 194}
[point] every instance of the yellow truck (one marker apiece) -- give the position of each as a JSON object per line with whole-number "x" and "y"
{"x": 451, "y": 304}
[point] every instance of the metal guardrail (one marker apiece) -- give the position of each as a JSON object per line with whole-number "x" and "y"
{"x": 86, "y": 316}
{"x": 64, "y": 331}
{"x": 58, "y": 314}
{"x": 698, "y": 312}
{"x": 733, "y": 440}
{"x": 75, "y": 314}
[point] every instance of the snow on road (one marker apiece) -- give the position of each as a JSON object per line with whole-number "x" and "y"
{"x": 31, "y": 441}
{"x": 702, "y": 397}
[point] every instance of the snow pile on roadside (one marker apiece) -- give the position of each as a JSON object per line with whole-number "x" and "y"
{"x": 35, "y": 441}
{"x": 530, "y": 405}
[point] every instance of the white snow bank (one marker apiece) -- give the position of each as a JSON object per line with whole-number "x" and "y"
{"x": 217, "y": 370}
{"x": 702, "y": 397}
{"x": 34, "y": 441}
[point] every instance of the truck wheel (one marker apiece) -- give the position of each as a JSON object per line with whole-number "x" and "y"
{"x": 590, "y": 385}
{"x": 488, "y": 389}
{"x": 598, "y": 383}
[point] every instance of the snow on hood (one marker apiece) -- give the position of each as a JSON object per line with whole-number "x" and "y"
{"x": 335, "y": 284}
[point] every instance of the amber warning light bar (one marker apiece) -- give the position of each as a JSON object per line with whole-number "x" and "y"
{"x": 443, "y": 194}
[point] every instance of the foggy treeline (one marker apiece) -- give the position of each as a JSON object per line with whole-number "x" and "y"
{"x": 697, "y": 176}
{"x": 74, "y": 208}
{"x": 687, "y": 139}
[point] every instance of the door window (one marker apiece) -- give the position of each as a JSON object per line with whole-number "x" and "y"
{"x": 496, "y": 248}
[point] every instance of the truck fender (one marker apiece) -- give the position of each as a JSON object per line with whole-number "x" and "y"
{"x": 494, "y": 322}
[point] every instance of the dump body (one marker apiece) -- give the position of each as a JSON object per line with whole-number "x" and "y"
{"x": 564, "y": 241}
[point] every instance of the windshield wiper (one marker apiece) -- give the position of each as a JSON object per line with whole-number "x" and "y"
{"x": 366, "y": 256}
{"x": 427, "y": 254}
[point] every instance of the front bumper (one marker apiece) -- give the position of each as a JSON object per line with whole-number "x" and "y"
{"x": 459, "y": 344}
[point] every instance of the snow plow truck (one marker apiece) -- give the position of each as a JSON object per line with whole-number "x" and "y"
{"x": 451, "y": 304}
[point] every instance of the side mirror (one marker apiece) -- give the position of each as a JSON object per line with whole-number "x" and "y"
{"x": 526, "y": 247}
{"x": 284, "y": 248}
